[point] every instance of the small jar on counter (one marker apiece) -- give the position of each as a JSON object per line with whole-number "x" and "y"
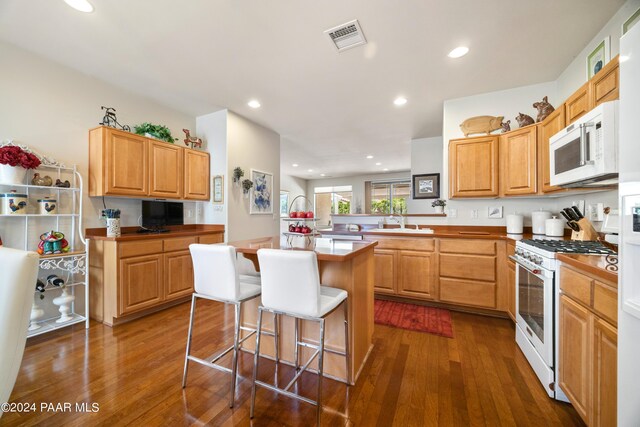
{"x": 13, "y": 203}
{"x": 48, "y": 206}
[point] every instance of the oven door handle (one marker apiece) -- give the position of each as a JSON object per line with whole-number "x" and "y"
{"x": 535, "y": 271}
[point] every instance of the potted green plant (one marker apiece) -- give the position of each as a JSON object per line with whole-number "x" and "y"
{"x": 154, "y": 131}
{"x": 247, "y": 184}
{"x": 439, "y": 205}
{"x": 237, "y": 174}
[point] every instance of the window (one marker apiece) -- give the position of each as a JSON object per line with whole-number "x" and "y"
{"x": 332, "y": 200}
{"x": 389, "y": 197}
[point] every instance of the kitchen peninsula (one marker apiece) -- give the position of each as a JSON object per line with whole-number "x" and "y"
{"x": 345, "y": 265}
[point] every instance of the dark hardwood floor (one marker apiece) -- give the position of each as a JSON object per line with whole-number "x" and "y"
{"x": 134, "y": 371}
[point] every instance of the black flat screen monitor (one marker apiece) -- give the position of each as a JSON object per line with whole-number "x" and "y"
{"x": 159, "y": 214}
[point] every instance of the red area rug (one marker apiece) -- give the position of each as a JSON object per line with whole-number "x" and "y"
{"x": 413, "y": 317}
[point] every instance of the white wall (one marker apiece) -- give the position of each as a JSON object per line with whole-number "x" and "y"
{"x": 575, "y": 75}
{"x": 50, "y": 108}
{"x": 251, "y": 146}
{"x": 212, "y": 128}
{"x": 426, "y": 158}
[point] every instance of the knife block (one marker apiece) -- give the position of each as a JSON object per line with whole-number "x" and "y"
{"x": 587, "y": 232}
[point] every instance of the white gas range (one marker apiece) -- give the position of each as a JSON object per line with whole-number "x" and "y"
{"x": 536, "y": 303}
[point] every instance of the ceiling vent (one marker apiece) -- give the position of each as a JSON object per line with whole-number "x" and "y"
{"x": 347, "y": 35}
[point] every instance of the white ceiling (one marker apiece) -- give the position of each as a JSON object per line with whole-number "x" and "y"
{"x": 331, "y": 108}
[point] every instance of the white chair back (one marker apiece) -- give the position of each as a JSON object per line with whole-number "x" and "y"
{"x": 19, "y": 273}
{"x": 290, "y": 281}
{"x": 214, "y": 271}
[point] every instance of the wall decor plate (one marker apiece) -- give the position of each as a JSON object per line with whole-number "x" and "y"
{"x": 426, "y": 186}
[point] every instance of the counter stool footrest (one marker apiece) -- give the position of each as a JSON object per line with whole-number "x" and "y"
{"x": 209, "y": 364}
{"x": 286, "y": 393}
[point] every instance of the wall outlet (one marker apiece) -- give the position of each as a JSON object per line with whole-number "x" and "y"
{"x": 474, "y": 213}
{"x": 453, "y": 213}
{"x": 101, "y": 214}
{"x": 189, "y": 213}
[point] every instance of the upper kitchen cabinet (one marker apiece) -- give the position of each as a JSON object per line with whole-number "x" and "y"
{"x": 473, "y": 167}
{"x": 166, "y": 166}
{"x": 577, "y": 105}
{"x": 605, "y": 85}
{"x": 124, "y": 164}
{"x": 118, "y": 163}
{"x": 518, "y": 162}
{"x": 196, "y": 178}
{"x": 553, "y": 124}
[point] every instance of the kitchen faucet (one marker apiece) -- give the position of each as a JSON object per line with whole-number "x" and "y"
{"x": 398, "y": 221}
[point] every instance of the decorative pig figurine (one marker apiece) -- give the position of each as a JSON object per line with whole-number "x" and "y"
{"x": 524, "y": 120}
{"x": 544, "y": 109}
{"x": 481, "y": 124}
{"x": 506, "y": 126}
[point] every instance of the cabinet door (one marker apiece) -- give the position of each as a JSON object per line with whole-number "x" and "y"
{"x": 553, "y": 124}
{"x": 196, "y": 175}
{"x": 209, "y": 239}
{"x": 141, "y": 283}
{"x": 575, "y": 355}
{"x": 605, "y": 86}
{"x": 511, "y": 290}
{"x": 518, "y": 165}
{"x": 385, "y": 273}
{"x": 605, "y": 374}
{"x": 473, "y": 167}
{"x": 166, "y": 170}
{"x": 416, "y": 274}
{"x": 178, "y": 269}
{"x": 577, "y": 104}
{"x": 125, "y": 164}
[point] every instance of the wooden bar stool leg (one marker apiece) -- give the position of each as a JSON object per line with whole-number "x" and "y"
{"x": 234, "y": 362}
{"x": 320, "y": 369}
{"x": 256, "y": 358}
{"x": 186, "y": 357}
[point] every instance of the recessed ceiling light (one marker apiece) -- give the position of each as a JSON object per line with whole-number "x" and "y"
{"x": 369, "y": 156}
{"x": 253, "y": 103}
{"x": 458, "y": 52}
{"x": 309, "y": 170}
{"x": 401, "y": 100}
{"x": 378, "y": 164}
{"x": 385, "y": 169}
{"x": 80, "y": 5}
{"x": 295, "y": 165}
{"x": 323, "y": 174}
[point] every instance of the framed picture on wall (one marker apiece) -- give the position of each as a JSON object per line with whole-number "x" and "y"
{"x": 426, "y": 186}
{"x": 633, "y": 19}
{"x": 284, "y": 203}
{"x": 261, "y": 200}
{"x": 598, "y": 58}
{"x": 218, "y": 189}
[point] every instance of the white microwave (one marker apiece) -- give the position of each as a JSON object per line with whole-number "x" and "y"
{"x": 585, "y": 154}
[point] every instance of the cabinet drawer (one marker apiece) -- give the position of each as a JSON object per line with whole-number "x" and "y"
{"x": 576, "y": 285}
{"x": 415, "y": 244}
{"x": 209, "y": 239}
{"x": 468, "y": 246}
{"x": 142, "y": 247}
{"x": 472, "y": 267}
{"x": 605, "y": 302}
{"x": 179, "y": 243}
{"x": 479, "y": 294}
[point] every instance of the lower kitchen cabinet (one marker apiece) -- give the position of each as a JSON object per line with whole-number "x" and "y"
{"x": 141, "y": 283}
{"x": 178, "y": 270}
{"x": 511, "y": 290}
{"x": 416, "y": 276}
{"x": 385, "y": 271}
{"x": 588, "y": 344}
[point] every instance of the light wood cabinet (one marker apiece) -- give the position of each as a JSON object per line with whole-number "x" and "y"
{"x": 511, "y": 290}
{"x": 473, "y": 167}
{"x": 553, "y": 124}
{"x": 416, "y": 275}
{"x": 196, "y": 178}
{"x": 605, "y": 374}
{"x": 178, "y": 270}
{"x": 518, "y": 162}
{"x": 605, "y": 86}
{"x": 124, "y": 164}
{"x": 575, "y": 355}
{"x": 166, "y": 170}
{"x": 385, "y": 271}
{"x": 588, "y": 346}
{"x": 141, "y": 283}
{"x": 577, "y": 105}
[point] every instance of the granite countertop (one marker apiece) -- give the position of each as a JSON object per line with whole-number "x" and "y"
{"x": 130, "y": 233}
{"x": 594, "y": 264}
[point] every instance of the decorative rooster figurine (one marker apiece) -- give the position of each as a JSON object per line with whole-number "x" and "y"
{"x": 193, "y": 140}
{"x": 49, "y": 207}
{"x": 17, "y": 207}
{"x": 45, "y": 181}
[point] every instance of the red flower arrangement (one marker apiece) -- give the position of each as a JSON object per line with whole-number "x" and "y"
{"x": 16, "y": 156}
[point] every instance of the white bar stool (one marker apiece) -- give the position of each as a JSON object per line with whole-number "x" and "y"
{"x": 216, "y": 278}
{"x": 291, "y": 287}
